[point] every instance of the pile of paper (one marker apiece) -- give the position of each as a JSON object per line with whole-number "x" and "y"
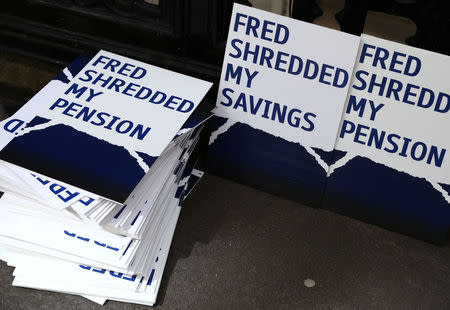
{"x": 94, "y": 169}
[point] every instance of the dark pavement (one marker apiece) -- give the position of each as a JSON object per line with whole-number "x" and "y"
{"x": 239, "y": 248}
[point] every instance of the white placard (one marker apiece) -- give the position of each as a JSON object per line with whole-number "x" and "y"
{"x": 398, "y": 110}
{"x": 285, "y": 77}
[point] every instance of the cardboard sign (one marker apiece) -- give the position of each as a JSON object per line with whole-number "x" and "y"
{"x": 285, "y": 77}
{"x": 102, "y": 124}
{"x": 398, "y": 109}
{"x": 281, "y": 96}
{"x": 392, "y": 161}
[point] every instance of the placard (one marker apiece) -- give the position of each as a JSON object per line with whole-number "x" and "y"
{"x": 392, "y": 164}
{"x": 281, "y": 95}
{"x": 102, "y": 125}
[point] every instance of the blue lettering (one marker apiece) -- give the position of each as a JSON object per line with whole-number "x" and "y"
{"x": 225, "y": 92}
{"x": 234, "y": 74}
{"x": 75, "y": 90}
{"x": 100, "y": 118}
{"x": 88, "y": 74}
{"x": 140, "y": 132}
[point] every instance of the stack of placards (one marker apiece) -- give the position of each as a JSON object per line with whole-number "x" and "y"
{"x": 93, "y": 169}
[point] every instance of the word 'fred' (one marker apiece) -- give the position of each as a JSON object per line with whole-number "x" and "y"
{"x": 125, "y": 69}
{"x": 266, "y": 30}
